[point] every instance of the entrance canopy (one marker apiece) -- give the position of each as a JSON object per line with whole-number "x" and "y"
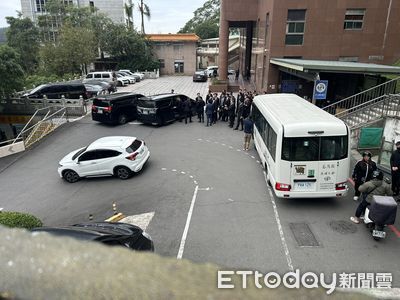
{"x": 328, "y": 66}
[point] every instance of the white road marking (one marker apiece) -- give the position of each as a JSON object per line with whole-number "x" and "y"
{"x": 164, "y": 169}
{"x": 142, "y": 220}
{"x": 238, "y": 150}
{"x": 135, "y": 123}
{"x": 278, "y": 222}
{"x": 205, "y": 189}
{"x": 223, "y": 144}
{"x": 191, "y": 176}
{"x": 216, "y": 142}
{"x": 195, "y": 182}
{"x": 252, "y": 157}
{"x": 230, "y": 147}
{"x": 208, "y": 141}
{"x": 185, "y": 231}
{"x": 230, "y": 200}
{"x": 183, "y": 172}
{"x": 173, "y": 170}
{"x": 258, "y": 161}
{"x": 199, "y": 139}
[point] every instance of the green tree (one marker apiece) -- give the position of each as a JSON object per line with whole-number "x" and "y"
{"x": 75, "y": 48}
{"x": 129, "y": 13}
{"x": 207, "y": 30}
{"x": 209, "y": 13}
{"x": 129, "y": 48}
{"x": 11, "y": 72}
{"x": 144, "y": 10}
{"x": 23, "y": 36}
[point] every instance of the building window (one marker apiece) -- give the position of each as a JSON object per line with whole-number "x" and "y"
{"x": 354, "y": 19}
{"x": 40, "y": 5}
{"x": 295, "y": 26}
{"x": 162, "y": 63}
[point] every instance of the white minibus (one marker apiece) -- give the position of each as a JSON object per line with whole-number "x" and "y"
{"x": 305, "y": 150}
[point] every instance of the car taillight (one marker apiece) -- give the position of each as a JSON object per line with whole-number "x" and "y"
{"x": 94, "y": 107}
{"x": 108, "y": 108}
{"x": 282, "y": 187}
{"x": 132, "y": 156}
{"x": 341, "y": 186}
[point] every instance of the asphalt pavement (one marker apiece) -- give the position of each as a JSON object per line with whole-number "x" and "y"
{"x": 198, "y": 181}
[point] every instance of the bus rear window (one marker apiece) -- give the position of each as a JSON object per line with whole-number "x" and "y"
{"x": 315, "y": 148}
{"x": 146, "y": 103}
{"x": 101, "y": 102}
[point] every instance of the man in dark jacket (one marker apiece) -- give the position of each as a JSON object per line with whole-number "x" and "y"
{"x": 209, "y": 112}
{"x": 395, "y": 167}
{"x": 239, "y": 112}
{"x": 363, "y": 172}
{"x": 200, "y": 108}
{"x": 377, "y": 186}
{"x": 231, "y": 112}
{"x": 216, "y": 104}
{"x": 187, "y": 110}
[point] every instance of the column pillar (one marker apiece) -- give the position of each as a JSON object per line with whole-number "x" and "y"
{"x": 223, "y": 42}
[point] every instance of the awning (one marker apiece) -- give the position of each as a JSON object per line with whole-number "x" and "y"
{"x": 328, "y": 66}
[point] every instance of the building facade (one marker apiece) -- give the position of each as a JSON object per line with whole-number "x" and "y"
{"x": 175, "y": 52}
{"x": 114, "y": 9}
{"x": 364, "y": 31}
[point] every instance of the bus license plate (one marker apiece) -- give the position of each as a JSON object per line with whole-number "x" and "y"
{"x": 379, "y": 234}
{"x": 304, "y": 186}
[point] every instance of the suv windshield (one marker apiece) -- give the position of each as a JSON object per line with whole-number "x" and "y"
{"x": 315, "y": 148}
{"x": 79, "y": 153}
{"x": 147, "y": 103}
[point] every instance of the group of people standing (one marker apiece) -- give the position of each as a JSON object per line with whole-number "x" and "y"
{"x": 225, "y": 107}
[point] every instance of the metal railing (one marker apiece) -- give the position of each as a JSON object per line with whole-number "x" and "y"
{"x": 389, "y": 87}
{"x": 35, "y": 130}
{"x": 371, "y": 111}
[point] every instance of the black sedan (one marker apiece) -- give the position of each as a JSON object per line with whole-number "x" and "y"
{"x": 112, "y": 234}
{"x": 200, "y": 76}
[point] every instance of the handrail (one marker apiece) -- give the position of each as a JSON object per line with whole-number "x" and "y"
{"x": 41, "y": 121}
{"x": 361, "y": 93}
{"x": 362, "y": 105}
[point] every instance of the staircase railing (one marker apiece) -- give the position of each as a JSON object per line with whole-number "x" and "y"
{"x": 389, "y": 87}
{"x": 371, "y": 111}
{"x": 35, "y": 130}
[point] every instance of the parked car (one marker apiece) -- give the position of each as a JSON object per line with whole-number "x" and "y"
{"x": 119, "y": 156}
{"x": 162, "y": 109}
{"x": 111, "y": 234}
{"x": 57, "y": 90}
{"x": 131, "y": 78}
{"x": 211, "y": 69}
{"x": 200, "y": 75}
{"x": 106, "y": 86}
{"x": 141, "y": 75}
{"x": 117, "y": 108}
{"x": 137, "y": 76}
{"x": 107, "y": 76}
{"x": 122, "y": 80}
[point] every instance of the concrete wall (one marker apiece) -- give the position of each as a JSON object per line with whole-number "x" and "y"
{"x": 179, "y": 51}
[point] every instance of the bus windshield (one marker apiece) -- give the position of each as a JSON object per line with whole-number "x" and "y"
{"x": 315, "y": 148}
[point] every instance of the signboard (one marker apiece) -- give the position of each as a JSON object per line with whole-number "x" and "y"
{"x": 320, "y": 89}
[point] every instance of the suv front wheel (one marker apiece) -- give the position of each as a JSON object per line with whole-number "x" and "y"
{"x": 71, "y": 176}
{"x": 122, "y": 119}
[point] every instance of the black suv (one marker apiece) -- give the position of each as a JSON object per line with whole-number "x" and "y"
{"x": 162, "y": 109}
{"x": 117, "y": 108}
{"x": 56, "y": 90}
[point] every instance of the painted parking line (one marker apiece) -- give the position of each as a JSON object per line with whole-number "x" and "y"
{"x": 187, "y": 225}
{"x": 278, "y": 222}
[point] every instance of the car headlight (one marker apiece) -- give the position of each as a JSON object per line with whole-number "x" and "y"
{"x": 146, "y": 235}
{"x": 60, "y": 165}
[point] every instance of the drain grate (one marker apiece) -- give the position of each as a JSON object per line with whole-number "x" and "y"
{"x": 303, "y": 235}
{"x": 343, "y": 227}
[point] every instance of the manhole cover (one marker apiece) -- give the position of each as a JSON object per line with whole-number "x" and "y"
{"x": 303, "y": 235}
{"x": 344, "y": 227}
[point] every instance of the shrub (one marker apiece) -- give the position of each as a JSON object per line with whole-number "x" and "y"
{"x": 19, "y": 220}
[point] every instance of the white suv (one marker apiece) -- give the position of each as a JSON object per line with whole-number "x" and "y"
{"x": 120, "y": 156}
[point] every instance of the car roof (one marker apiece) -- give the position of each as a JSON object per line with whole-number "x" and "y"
{"x": 162, "y": 96}
{"x": 116, "y": 96}
{"x": 112, "y": 142}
